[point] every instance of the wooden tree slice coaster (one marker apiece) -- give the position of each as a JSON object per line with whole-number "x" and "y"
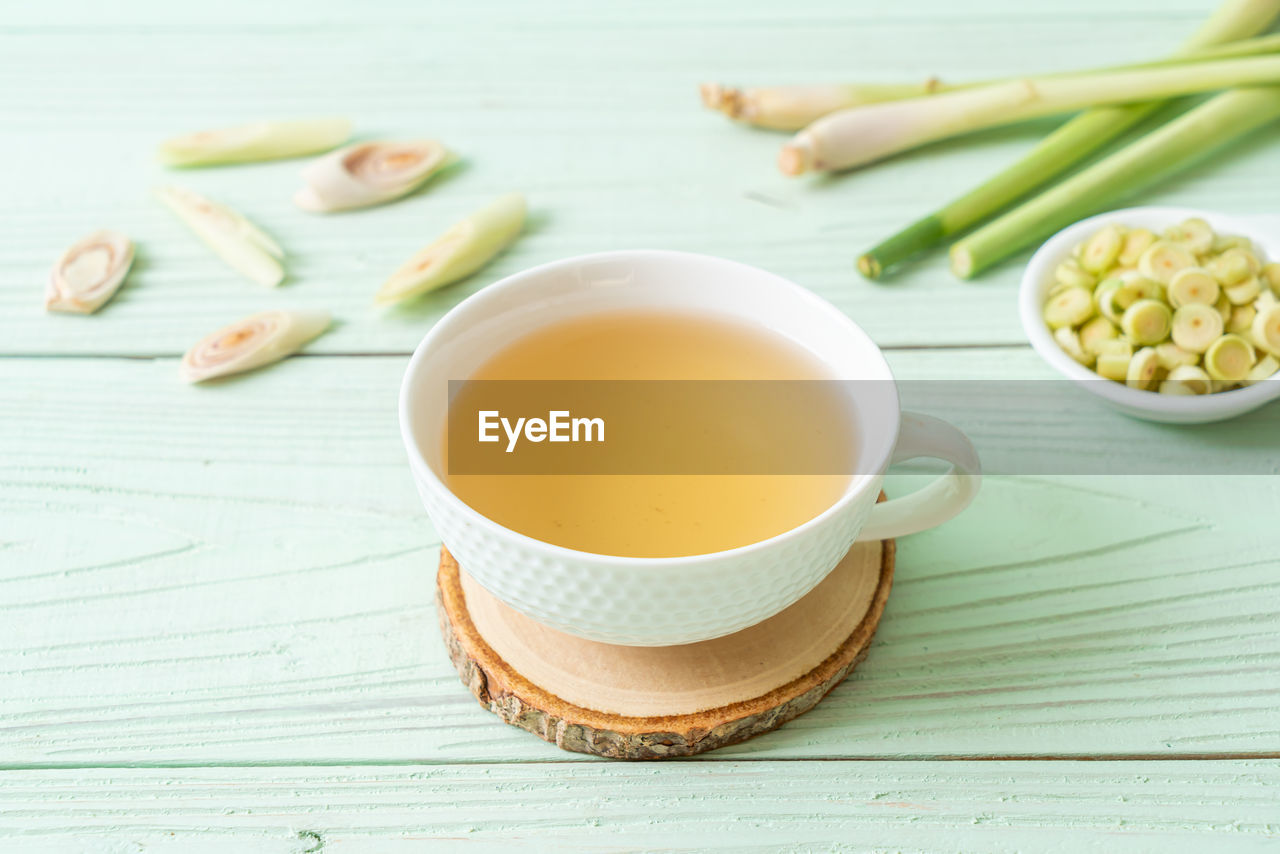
{"x": 629, "y": 702}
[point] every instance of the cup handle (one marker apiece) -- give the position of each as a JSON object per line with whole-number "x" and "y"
{"x": 943, "y": 498}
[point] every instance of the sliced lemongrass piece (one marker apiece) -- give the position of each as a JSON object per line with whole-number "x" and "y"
{"x": 1194, "y": 235}
{"x": 462, "y": 250}
{"x": 1105, "y": 299}
{"x": 1232, "y": 266}
{"x": 1196, "y": 327}
{"x": 1147, "y": 321}
{"x": 1223, "y": 307}
{"x": 256, "y": 141}
{"x": 1070, "y": 307}
{"x": 1069, "y": 341}
{"x": 1265, "y": 329}
{"x": 1265, "y": 369}
{"x": 241, "y": 244}
{"x": 1101, "y": 250}
{"x": 1241, "y": 319}
{"x": 1113, "y": 366}
{"x": 89, "y": 272}
{"x": 1095, "y": 331}
{"x": 1189, "y": 379}
{"x": 1192, "y": 284}
{"x": 1172, "y": 356}
{"x": 1136, "y": 241}
{"x": 1265, "y": 299}
{"x": 258, "y": 340}
{"x": 1140, "y": 287}
{"x": 370, "y": 173}
{"x": 1223, "y": 242}
{"x": 1144, "y": 370}
{"x": 1244, "y": 292}
{"x": 1069, "y": 272}
{"x": 1163, "y": 259}
{"x": 1271, "y": 275}
{"x": 1229, "y": 359}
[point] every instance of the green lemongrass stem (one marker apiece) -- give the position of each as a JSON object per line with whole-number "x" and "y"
{"x": 792, "y": 108}
{"x": 864, "y": 135}
{"x": 1166, "y": 149}
{"x": 1068, "y": 145}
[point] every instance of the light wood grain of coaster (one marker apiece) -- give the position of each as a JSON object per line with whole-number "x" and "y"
{"x": 652, "y": 702}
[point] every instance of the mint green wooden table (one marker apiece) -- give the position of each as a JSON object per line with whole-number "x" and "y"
{"x": 216, "y": 603}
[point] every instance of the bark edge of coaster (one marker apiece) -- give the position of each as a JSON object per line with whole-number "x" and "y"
{"x": 524, "y": 704}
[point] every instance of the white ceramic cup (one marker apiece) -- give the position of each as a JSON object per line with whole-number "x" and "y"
{"x": 663, "y": 601}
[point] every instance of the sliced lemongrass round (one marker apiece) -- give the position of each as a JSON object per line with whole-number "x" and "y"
{"x": 1224, "y": 307}
{"x": 1114, "y": 347}
{"x": 1140, "y": 287}
{"x": 1101, "y": 250}
{"x": 1172, "y": 356}
{"x": 1191, "y": 378}
{"x": 1223, "y": 242}
{"x": 1070, "y": 307}
{"x": 1104, "y": 299}
{"x": 370, "y": 173}
{"x": 1095, "y": 331}
{"x": 1265, "y": 329}
{"x": 1243, "y": 292}
{"x": 1194, "y": 235}
{"x": 256, "y": 141}
{"x": 1232, "y": 266}
{"x": 1164, "y": 258}
{"x": 89, "y": 272}
{"x": 1229, "y": 359}
{"x": 1136, "y": 242}
{"x": 463, "y": 249}
{"x": 1266, "y": 368}
{"x": 1069, "y": 272}
{"x": 258, "y": 340}
{"x": 1196, "y": 327}
{"x": 1147, "y": 321}
{"x": 1113, "y": 366}
{"x": 1193, "y": 285}
{"x": 1144, "y": 370}
{"x": 1069, "y": 341}
{"x": 1265, "y": 299}
{"x": 241, "y": 244}
{"x": 1271, "y": 275}
{"x": 1241, "y": 319}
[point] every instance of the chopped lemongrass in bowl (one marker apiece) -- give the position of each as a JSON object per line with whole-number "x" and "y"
{"x": 1171, "y": 315}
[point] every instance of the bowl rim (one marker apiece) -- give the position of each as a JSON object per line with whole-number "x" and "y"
{"x": 859, "y": 485}
{"x": 1036, "y": 282}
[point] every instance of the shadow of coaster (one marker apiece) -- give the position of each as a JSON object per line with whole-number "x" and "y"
{"x": 628, "y": 702}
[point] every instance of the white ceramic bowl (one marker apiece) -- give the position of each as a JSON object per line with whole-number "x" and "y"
{"x": 1264, "y": 231}
{"x": 661, "y": 601}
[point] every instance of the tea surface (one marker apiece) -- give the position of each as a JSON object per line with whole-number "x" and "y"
{"x": 655, "y": 515}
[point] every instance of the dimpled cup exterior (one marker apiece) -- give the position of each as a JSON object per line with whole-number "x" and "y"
{"x": 679, "y": 603}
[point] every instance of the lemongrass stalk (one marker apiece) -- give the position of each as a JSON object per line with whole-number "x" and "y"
{"x": 463, "y": 249}
{"x": 257, "y": 340}
{"x": 370, "y": 173}
{"x": 254, "y": 142}
{"x": 791, "y": 108}
{"x": 1068, "y": 145}
{"x": 1166, "y": 149}
{"x": 89, "y": 273}
{"x": 864, "y": 135}
{"x": 244, "y": 247}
